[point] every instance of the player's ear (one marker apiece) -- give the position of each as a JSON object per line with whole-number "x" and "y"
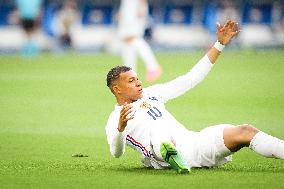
{"x": 116, "y": 89}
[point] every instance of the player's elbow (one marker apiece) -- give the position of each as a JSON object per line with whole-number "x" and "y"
{"x": 116, "y": 154}
{"x": 117, "y": 149}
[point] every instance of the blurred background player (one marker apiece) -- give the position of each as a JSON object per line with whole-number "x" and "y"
{"x": 131, "y": 26}
{"x": 29, "y": 13}
{"x": 67, "y": 17}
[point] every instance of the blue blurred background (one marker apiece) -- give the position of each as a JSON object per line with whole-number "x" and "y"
{"x": 173, "y": 24}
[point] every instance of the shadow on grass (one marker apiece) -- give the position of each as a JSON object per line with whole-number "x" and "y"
{"x": 142, "y": 170}
{"x": 229, "y": 168}
{"x": 256, "y": 168}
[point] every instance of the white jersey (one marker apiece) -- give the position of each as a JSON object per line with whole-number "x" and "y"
{"x": 150, "y": 111}
{"x": 132, "y": 18}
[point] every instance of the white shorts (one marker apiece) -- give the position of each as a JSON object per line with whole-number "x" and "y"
{"x": 205, "y": 148}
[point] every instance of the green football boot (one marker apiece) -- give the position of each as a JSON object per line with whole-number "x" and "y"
{"x": 171, "y": 155}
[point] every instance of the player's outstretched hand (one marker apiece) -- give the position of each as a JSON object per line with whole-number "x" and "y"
{"x": 227, "y": 32}
{"x": 125, "y": 116}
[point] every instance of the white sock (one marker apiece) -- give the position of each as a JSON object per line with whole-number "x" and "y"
{"x": 145, "y": 52}
{"x": 129, "y": 56}
{"x": 267, "y": 145}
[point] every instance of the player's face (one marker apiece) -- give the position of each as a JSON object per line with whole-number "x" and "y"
{"x": 129, "y": 86}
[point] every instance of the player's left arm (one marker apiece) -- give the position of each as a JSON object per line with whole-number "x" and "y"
{"x": 183, "y": 83}
{"x": 115, "y": 138}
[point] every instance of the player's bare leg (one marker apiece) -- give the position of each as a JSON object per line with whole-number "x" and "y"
{"x": 135, "y": 45}
{"x": 129, "y": 54}
{"x": 153, "y": 68}
{"x": 246, "y": 135}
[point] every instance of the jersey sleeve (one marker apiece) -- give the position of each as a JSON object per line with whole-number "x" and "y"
{"x": 115, "y": 139}
{"x": 181, "y": 84}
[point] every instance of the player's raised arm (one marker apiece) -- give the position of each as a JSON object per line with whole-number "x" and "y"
{"x": 224, "y": 35}
{"x": 185, "y": 82}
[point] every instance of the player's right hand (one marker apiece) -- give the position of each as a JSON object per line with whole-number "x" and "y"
{"x": 125, "y": 116}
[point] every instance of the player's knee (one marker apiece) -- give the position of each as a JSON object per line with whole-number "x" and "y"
{"x": 238, "y": 137}
{"x": 246, "y": 132}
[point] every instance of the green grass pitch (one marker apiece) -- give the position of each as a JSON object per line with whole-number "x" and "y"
{"x": 54, "y": 106}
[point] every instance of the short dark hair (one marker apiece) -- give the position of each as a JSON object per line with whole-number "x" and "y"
{"x": 114, "y": 74}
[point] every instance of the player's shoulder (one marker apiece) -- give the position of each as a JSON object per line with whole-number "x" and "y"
{"x": 114, "y": 113}
{"x": 112, "y": 120}
{"x": 149, "y": 90}
{"x": 152, "y": 94}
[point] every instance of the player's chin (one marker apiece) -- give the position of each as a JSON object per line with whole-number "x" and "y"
{"x": 138, "y": 96}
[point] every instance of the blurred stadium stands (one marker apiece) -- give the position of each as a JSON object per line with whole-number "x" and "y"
{"x": 174, "y": 24}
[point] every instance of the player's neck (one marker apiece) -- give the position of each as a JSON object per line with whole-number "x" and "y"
{"x": 122, "y": 101}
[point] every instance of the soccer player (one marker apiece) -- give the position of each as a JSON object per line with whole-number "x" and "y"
{"x": 141, "y": 120}
{"x": 131, "y": 26}
{"x": 29, "y": 11}
{"x": 66, "y": 18}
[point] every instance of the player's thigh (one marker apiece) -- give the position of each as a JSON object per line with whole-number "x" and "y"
{"x": 130, "y": 30}
{"x": 211, "y": 147}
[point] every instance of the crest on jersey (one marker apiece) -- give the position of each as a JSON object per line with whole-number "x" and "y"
{"x": 145, "y": 105}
